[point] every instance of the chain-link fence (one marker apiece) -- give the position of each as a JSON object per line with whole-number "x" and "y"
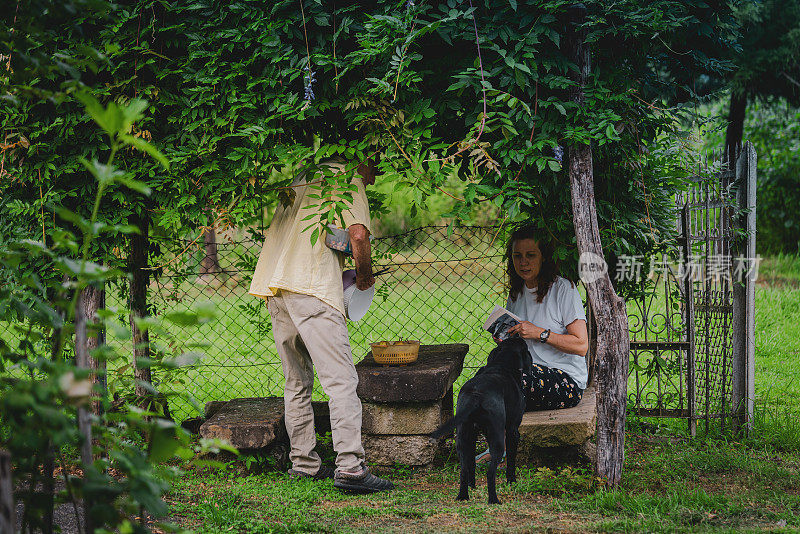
{"x": 440, "y": 287}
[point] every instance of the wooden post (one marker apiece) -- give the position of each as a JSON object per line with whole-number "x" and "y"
{"x": 613, "y": 343}
{"x": 140, "y": 280}
{"x": 8, "y": 520}
{"x": 743, "y": 342}
{"x": 84, "y": 424}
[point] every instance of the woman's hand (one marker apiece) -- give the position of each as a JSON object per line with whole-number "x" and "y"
{"x": 526, "y": 330}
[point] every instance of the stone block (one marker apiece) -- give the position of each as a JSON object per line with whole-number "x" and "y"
{"x": 322, "y": 417}
{"x": 558, "y": 457}
{"x": 213, "y": 407}
{"x": 404, "y": 450}
{"x": 426, "y": 380}
{"x": 251, "y": 423}
{"x": 322, "y": 422}
{"x": 402, "y": 419}
{"x": 555, "y": 428}
{"x": 192, "y": 425}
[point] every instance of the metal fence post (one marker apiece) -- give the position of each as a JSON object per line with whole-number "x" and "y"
{"x": 743, "y": 392}
{"x": 688, "y": 291}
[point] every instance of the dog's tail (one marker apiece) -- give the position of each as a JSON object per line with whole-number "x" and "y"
{"x": 461, "y": 416}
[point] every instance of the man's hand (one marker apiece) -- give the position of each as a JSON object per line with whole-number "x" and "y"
{"x": 362, "y": 255}
{"x": 526, "y": 330}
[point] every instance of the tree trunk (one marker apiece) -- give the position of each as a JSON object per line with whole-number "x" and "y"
{"x": 140, "y": 280}
{"x": 735, "y": 130}
{"x": 613, "y": 345}
{"x": 8, "y": 520}
{"x": 94, "y": 299}
{"x": 84, "y": 425}
{"x": 210, "y": 263}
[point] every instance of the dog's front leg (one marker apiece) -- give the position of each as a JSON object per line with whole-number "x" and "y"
{"x": 463, "y": 490}
{"x": 512, "y": 444}
{"x": 465, "y": 444}
{"x": 496, "y": 449}
{"x": 491, "y": 477}
{"x": 471, "y": 456}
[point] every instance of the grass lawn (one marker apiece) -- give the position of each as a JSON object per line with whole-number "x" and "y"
{"x": 671, "y": 483}
{"x": 778, "y": 333}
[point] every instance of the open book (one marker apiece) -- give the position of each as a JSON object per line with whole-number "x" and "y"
{"x": 499, "y": 321}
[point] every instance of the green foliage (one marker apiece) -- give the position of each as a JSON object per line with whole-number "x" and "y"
{"x": 769, "y": 45}
{"x": 42, "y": 389}
{"x": 398, "y": 81}
{"x": 773, "y": 126}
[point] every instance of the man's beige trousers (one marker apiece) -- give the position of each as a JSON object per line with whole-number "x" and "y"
{"x": 312, "y": 334}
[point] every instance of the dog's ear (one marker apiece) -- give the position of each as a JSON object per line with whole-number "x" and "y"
{"x": 493, "y": 355}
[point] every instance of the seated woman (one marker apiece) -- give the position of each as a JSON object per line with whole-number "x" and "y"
{"x": 554, "y": 322}
{"x": 553, "y": 326}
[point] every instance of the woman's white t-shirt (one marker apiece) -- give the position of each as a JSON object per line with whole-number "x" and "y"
{"x": 560, "y": 307}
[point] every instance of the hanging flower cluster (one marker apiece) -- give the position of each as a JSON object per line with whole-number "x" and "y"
{"x": 558, "y": 153}
{"x": 309, "y": 85}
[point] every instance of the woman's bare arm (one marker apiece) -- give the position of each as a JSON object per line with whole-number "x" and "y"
{"x": 575, "y": 341}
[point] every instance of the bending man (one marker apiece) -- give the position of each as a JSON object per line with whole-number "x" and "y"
{"x": 302, "y": 284}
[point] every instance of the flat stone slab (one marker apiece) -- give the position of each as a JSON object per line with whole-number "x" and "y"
{"x": 213, "y": 407}
{"x": 427, "y": 379}
{"x": 401, "y": 418}
{"x": 250, "y": 423}
{"x": 555, "y": 428}
{"x": 404, "y": 450}
{"x": 322, "y": 422}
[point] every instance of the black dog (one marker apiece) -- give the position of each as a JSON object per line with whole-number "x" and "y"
{"x": 492, "y": 401}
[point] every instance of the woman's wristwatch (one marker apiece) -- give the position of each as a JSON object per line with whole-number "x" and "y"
{"x": 544, "y": 335}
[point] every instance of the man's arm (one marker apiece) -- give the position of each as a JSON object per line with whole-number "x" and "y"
{"x": 362, "y": 254}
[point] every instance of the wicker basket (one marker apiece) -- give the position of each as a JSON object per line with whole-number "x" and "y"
{"x": 395, "y": 353}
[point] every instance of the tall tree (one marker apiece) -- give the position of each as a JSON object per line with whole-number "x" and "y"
{"x": 767, "y": 60}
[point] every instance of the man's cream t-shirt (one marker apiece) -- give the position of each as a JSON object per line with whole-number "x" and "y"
{"x": 289, "y": 261}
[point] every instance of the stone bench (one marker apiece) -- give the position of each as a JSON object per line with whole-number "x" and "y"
{"x": 402, "y": 405}
{"x": 249, "y": 423}
{"x": 568, "y": 427}
{"x": 564, "y": 433}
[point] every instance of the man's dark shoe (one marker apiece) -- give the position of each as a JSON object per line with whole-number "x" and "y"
{"x": 324, "y": 473}
{"x": 365, "y": 482}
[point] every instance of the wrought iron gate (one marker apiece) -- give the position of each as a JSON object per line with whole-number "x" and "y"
{"x": 687, "y": 359}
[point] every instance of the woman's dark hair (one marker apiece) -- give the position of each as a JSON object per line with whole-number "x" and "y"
{"x": 548, "y": 271}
